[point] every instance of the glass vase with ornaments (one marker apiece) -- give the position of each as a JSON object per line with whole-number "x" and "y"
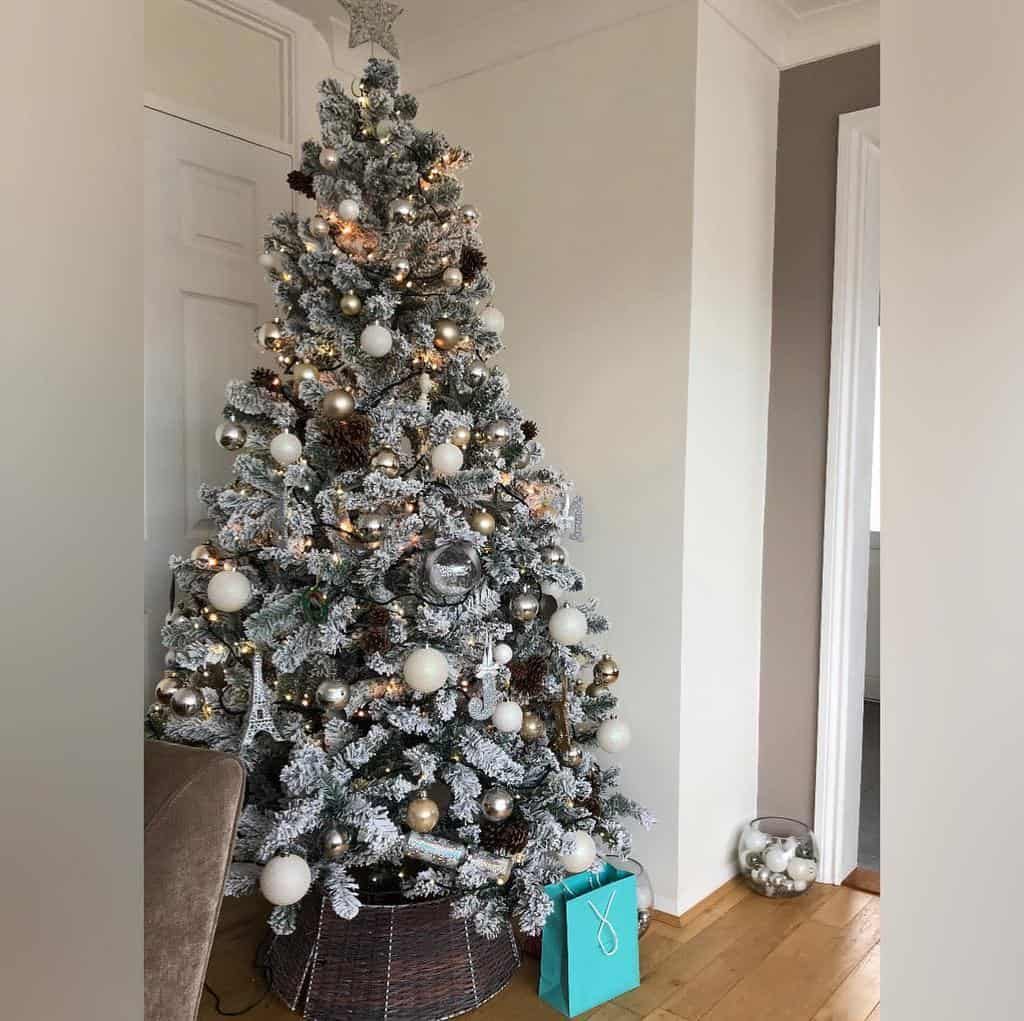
{"x": 778, "y": 857}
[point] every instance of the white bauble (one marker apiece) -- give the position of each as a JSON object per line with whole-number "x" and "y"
{"x": 446, "y": 459}
{"x": 754, "y": 840}
{"x": 502, "y": 653}
{"x": 286, "y": 448}
{"x": 582, "y": 853}
{"x": 228, "y": 591}
{"x": 375, "y": 340}
{"x": 507, "y": 717}
{"x": 776, "y": 859}
{"x": 802, "y": 869}
{"x": 567, "y": 626}
{"x": 493, "y": 320}
{"x": 614, "y": 736}
{"x": 552, "y": 588}
{"x": 285, "y": 880}
{"x": 425, "y": 670}
{"x": 270, "y": 260}
{"x": 799, "y": 885}
{"x": 348, "y": 210}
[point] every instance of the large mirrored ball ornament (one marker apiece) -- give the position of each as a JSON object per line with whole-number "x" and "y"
{"x": 329, "y": 158}
{"x": 497, "y": 433}
{"x": 375, "y": 340}
{"x": 497, "y": 804}
{"x": 453, "y": 570}
{"x": 553, "y": 555}
{"x": 606, "y": 670}
{"x": 476, "y": 373}
{"x": 286, "y": 448}
{"x": 231, "y": 435}
{"x": 334, "y": 842}
{"x": 187, "y": 702}
{"x": 387, "y": 462}
{"x": 229, "y": 591}
{"x": 493, "y": 320}
{"x": 332, "y": 695}
{"x": 285, "y": 879}
{"x": 524, "y": 607}
{"x": 507, "y": 717}
{"x": 425, "y": 670}
{"x": 567, "y": 626}
{"x": 348, "y": 210}
{"x": 614, "y": 736}
{"x": 337, "y": 404}
{"x": 579, "y": 851}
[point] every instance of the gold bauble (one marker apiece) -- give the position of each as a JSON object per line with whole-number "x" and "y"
{"x": 572, "y": 755}
{"x": 422, "y": 813}
{"x": 387, "y": 462}
{"x": 304, "y": 371}
{"x": 446, "y": 334}
{"x": 606, "y": 670}
{"x": 351, "y": 304}
{"x": 596, "y": 690}
{"x": 532, "y": 728}
{"x": 338, "y": 404}
{"x": 461, "y": 436}
{"x": 168, "y": 685}
{"x": 483, "y": 522}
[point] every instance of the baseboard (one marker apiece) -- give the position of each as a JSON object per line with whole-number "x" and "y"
{"x": 728, "y": 889}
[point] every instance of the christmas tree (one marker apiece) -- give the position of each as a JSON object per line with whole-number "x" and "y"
{"x": 376, "y": 627}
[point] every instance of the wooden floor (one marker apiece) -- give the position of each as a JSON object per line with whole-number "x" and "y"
{"x": 735, "y": 957}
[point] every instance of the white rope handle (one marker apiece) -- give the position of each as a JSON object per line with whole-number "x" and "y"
{"x": 605, "y": 921}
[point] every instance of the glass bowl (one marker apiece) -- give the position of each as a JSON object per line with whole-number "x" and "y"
{"x": 778, "y": 857}
{"x": 644, "y": 890}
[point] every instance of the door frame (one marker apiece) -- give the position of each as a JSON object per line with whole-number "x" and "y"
{"x": 846, "y": 543}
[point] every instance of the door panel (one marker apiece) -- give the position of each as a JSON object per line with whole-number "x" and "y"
{"x": 208, "y": 199}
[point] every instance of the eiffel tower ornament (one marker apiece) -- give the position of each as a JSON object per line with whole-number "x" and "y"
{"x": 260, "y": 719}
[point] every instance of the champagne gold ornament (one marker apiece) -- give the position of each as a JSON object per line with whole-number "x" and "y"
{"x": 304, "y": 371}
{"x": 329, "y": 158}
{"x": 337, "y": 404}
{"x": 552, "y": 555}
{"x": 446, "y": 334}
{"x": 422, "y": 813}
{"x": 319, "y": 227}
{"x": 497, "y": 433}
{"x": 403, "y": 210}
{"x": 387, "y": 462}
{"x": 572, "y": 755}
{"x": 483, "y": 522}
{"x": 332, "y": 695}
{"x": 351, "y": 304}
{"x": 476, "y": 373}
{"x": 400, "y": 270}
{"x": 186, "y": 702}
{"x": 497, "y": 804}
{"x": 461, "y": 435}
{"x": 231, "y": 435}
{"x": 334, "y": 842}
{"x": 371, "y": 525}
{"x": 597, "y": 690}
{"x": 452, "y": 277}
{"x": 470, "y": 215}
{"x": 204, "y": 555}
{"x": 606, "y": 670}
{"x": 533, "y": 728}
{"x": 167, "y": 686}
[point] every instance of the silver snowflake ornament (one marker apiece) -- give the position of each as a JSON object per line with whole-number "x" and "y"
{"x": 370, "y": 21}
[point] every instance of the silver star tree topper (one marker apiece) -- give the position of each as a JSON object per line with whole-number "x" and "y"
{"x": 371, "y": 22}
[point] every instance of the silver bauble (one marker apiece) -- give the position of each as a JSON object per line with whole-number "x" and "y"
{"x": 332, "y": 694}
{"x": 643, "y": 922}
{"x": 606, "y": 670}
{"x": 370, "y": 526}
{"x": 167, "y": 686}
{"x": 269, "y": 334}
{"x": 186, "y": 702}
{"x": 231, "y": 435}
{"x": 351, "y": 304}
{"x": 403, "y": 210}
{"x": 319, "y": 227}
{"x": 470, "y": 214}
{"x": 453, "y": 570}
{"x": 524, "y": 607}
{"x": 533, "y": 727}
{"x": 596, "y": 690}
{"x": 400, "y": 270}
{"x": 387, "y": 462}
{"x": 337, "y": 404}
{"x": 482, "y": 522}
{"x": 329, "y": 158}
{"x": 497, "y": 433}
{"x": 553, "y": 555}
{"x": 303, "y": 371}
{"x": 572, "y": 756}
{"x": 334, "y": 842}
{"x": 476, "y": 373}
{"x": 446, "y": 334}
{"x": 461, "y": 435}
{"x": 497, "y": 804}
{"x": 452, "y": 277}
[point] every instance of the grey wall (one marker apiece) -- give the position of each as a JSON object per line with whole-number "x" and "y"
{"x": 811, "y": 98}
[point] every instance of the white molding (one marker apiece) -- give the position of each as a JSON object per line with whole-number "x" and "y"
{"x": 848, "y": 495}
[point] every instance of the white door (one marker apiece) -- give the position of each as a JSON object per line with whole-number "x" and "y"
{"x": 208, "y": 200}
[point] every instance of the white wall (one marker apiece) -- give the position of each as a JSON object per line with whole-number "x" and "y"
{"x": 952, "y": 508}
{"x": 726, "y": 430}
{"x": 584, "y": 172}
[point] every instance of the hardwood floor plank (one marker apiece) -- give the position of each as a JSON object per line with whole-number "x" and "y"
{"x": 842, "y": 906}
{"x": 857, "y": 998}
{"x": 868, "y": 880}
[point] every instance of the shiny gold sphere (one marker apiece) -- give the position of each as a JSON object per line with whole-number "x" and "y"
{"x": 497, "y": 804}
{"x": 351, "y": 304}
{"x": 400, "y": 270}
{"x": 572, "y": 756}
{"x": 304, "y": 371}
{"x": 476, "y": 373}
{"x": 371, "y": 526}
{"x": 338, "y": 404}
{"x": 606, "y": 670}
{"x": 533, "y": 727}
{"x": 387, "y": 462}
{"x": 497, "y": 433}
{"x": 422, "y": 813}
{"x": 483, "y": 522}
{"x": 461, "y": 436}
{"x": 167, "y": 686}
{"x": 452, "y": 277}
{"x": 446, "y": 334}
{"x": 552, "y": 555}
{"x": 596, "y": 690}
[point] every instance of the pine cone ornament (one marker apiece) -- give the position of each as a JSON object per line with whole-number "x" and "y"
{"x": 351, "y": 441}
{"x": 266, "y": 378}
{"x": 473, "y": 261}
{"x": 375, "y": 636}
{"x": 302, "y": 183}
{"x": 528, "y": 676}
{"x": 508, "y": 837}
{"x": 530, "y": 430}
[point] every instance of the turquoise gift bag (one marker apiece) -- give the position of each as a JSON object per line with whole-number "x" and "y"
{"x": 590, "y": 951}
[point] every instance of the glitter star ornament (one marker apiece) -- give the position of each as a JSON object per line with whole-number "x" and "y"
{"x": 370, "y": 22}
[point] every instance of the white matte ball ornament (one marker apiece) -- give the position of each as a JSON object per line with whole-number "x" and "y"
{"x": 425, "y": 670}
{"x": 493, "y": 320}
{"x": 502, "y": 653}
{"x": 567, "y": 626}
{"x": 228, "y": 591}
{"x": 286, "y": 448}
{"x": 507, "y": 717}
{"x": 581, "y": 854}
{"x": 446, "y": 459}
{"x": 285, "y": 880}
{"x": 754, "y": 840}
{"x": 802, "y": 870}
{"x": 375, "y": 340}
{"x": 348, "y": 210}
{"x": 776, "y": 859}
{"x": 271, "y": 261}
{"x": 614, "y": 736}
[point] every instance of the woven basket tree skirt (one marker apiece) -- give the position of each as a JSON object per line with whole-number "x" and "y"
{"x": 411, "y": 962}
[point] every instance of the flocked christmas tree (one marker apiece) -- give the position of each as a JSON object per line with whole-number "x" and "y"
{"x": 376, "y": 628}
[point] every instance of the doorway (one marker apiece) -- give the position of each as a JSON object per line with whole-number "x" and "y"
{"x": 846, "y": 558}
